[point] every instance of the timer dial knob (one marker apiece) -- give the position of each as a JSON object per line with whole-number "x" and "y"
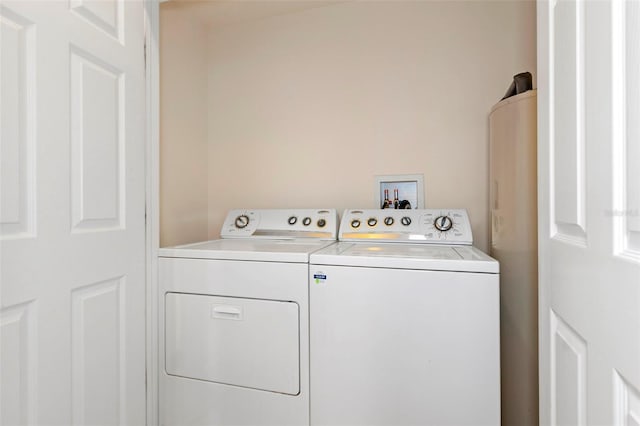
{"x": 405, "y": 220}
{"x": 372, "y": 221}
{"x": 306, "y": 221}
{"x": 355, "y": 223}
{"x": 292, "y": 220}
{"x": 321, "y": 223}
{"x": 443, "y": 223}
{"x": 242, "y": 221}
{"x": 388, "y": 221}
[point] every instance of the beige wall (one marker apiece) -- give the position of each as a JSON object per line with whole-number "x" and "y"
{"x": 305, "y": 109}
{"x": 183, "y": 128}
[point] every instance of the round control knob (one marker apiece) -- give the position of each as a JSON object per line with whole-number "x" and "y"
{"x": 306, "y": 221}
{"x": 321, "y": 223}
{"x": 388, "y": 221}
{"x": 355, "y": 223}
{"x": 405, "y": 220}
{"x": 242, "y": 221}
{"x": 292, "y": 220}
{"x": 443, "y": 223}
{"x": 372, "y": 221}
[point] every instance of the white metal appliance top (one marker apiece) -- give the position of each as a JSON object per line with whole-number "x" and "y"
{"x": 266, "y": 235}
{"x": 424, "y": 226}
{"x": 458, "y": 258}
{"x": 259, "y": 250}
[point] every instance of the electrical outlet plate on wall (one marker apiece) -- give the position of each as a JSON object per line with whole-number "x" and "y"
{"x": 410, "y": 188}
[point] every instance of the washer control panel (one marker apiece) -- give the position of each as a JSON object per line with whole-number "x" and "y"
{"x": 281, "y": 224}
{"x": 426, "y": 226}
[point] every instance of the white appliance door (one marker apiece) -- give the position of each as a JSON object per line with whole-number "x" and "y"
{"x": 72, "y": 212}
{"x": 257, "y": 319}
{"x": 589, "y": 212}
{"x": 404, "y": 347}
{"x": 234, "y": 341}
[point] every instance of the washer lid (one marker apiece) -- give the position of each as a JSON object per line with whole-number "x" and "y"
{"x": 296, "y": 251}
{"x": 407, "y": 256}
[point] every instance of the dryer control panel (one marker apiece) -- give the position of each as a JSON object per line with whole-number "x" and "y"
{"x": 425, "y": 226}
{"x": 281, "y": 224}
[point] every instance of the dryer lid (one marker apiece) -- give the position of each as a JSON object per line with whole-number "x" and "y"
{"x": 296, "y": 251}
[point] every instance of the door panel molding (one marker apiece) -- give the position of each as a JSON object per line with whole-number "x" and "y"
{"x": 98, "y": 344}
{"x": 568, "y": 374}
{"x": 626, "y": 130}
{"x": 17, "y": 126}
{"x": 19, "y": 360}
{"x": 567, "y": 142}
{"x": 97, "y": 143}
{"x": 626, "y": 402}
{"x": 105, "y": 16}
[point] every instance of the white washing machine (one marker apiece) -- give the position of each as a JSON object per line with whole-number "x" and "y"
{"x": 234, "y": 337}
{"x": 404, "y": 323}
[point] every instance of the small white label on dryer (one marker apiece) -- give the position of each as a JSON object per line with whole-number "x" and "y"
{"x": 319, "y": 278}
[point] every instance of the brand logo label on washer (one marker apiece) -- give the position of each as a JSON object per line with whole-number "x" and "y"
{"x": 319, "y": 278}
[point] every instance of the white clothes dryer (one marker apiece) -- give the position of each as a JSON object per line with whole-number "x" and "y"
{"x": 404, "y": 323}
{"x": 234, "y": 320}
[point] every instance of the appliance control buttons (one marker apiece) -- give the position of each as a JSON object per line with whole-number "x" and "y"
{"x": 372, "y": 221}
{"x": 443, "y": 223}
{"x": 292, "y": 220}
{"x": 355, "y": 223}
{"x": 321, "y": 223}
{"x": 306, "y": 221}
{"x": 388, "y": 221}
{"x": 405, "y": 220}
{"x": 242, "y": 221}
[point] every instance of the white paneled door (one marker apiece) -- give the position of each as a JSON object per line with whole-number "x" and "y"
{"x": 589, "y": 207}
{"x": 72, "y": 212}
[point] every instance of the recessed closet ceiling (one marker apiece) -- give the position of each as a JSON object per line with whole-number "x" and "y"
{"x": 217, "y": 13}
